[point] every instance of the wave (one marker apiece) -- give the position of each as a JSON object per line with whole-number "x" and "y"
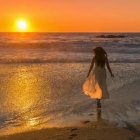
{"x": 59, "y": 60}
{"x": 68, "y": 47}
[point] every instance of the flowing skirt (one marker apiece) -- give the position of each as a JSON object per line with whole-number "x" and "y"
{"x": 95, "y": 85}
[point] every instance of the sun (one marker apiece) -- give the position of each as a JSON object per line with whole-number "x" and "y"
{"x": 22, "y": 25}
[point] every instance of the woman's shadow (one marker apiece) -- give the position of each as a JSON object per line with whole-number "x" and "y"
{"x": 100, "y": 120}
{"x": 99, "y": 114}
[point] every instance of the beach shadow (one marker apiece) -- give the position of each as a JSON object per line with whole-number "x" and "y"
{"x": 99, "y": 114}
{"x": 74, "y": 131}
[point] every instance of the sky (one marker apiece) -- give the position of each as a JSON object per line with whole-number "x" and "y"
{"x": 71, "y": 15}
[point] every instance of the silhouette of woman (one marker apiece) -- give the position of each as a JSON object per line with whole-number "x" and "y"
{"x": 95, "y": 84}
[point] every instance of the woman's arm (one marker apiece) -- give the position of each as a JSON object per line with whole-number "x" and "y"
{"x": 91, "y": 66}
{"x": 108, "y": 66}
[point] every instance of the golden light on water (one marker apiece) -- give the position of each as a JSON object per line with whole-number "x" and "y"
{"x": 25, "y": 94}
{"x": 23, "y": 87}
{"x": 33, "y": 122}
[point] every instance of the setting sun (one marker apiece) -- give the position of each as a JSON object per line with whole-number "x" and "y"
{"x": 22, "y": 26}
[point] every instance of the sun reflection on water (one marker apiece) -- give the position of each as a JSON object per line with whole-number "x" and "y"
{"x": 23, "y": 89}
{"x": 27, "y": 92}
{"x": 26, "y": 96}
{"x": 32, "y": 122}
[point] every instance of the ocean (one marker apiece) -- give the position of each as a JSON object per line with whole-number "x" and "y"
{"x": 41, "y": 78}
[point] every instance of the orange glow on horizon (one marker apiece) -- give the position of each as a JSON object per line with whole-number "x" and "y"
{"x": 72, "y": 15}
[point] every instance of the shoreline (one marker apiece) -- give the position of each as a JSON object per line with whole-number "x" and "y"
{"x": 101, "y": 130}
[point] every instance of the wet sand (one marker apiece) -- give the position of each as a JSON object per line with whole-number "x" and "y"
{"x": 100, "y": 130}
{"x": 122, "y": 108}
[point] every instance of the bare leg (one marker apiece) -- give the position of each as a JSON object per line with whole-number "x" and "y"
{"x": 98, "y": 103}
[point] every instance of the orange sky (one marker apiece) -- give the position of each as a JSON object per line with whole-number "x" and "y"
{"x": 72, "y": 15}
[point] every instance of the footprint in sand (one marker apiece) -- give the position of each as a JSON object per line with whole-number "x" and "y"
{"x": 74, "y": 134}
{"x": 85, "y": 122}
{"x": 91, "y": 114}
{"x": 73, "y": 129}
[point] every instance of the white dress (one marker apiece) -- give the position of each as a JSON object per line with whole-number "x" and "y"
{"x": 95, "y": 85}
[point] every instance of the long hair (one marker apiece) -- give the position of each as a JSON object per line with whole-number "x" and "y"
{"x": 100, "y": 56}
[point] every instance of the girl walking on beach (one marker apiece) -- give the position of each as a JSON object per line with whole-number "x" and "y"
{"x": 95, "y": 85}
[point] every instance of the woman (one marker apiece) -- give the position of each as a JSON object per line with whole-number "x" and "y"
{"x": 95, "y": 85}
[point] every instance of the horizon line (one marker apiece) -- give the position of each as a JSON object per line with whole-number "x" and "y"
{"x": 70, "y": 32}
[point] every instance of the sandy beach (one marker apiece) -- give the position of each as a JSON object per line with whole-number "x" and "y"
{"x": 113, "y": 122}
{"x": 100, "y": 130}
